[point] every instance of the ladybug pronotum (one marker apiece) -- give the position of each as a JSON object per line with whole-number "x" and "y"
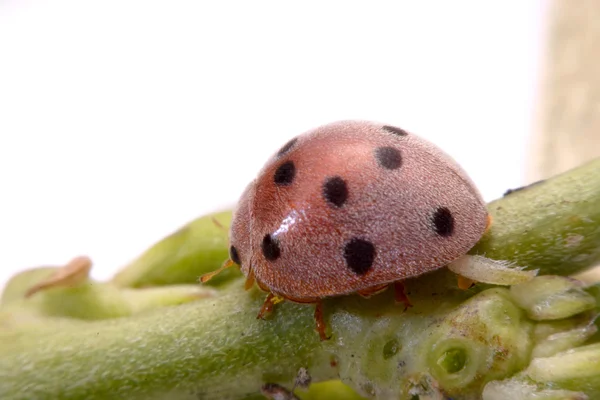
{"x": 352, "y": 207}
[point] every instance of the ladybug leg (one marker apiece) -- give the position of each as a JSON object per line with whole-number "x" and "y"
{"x": 465, "y": 283}
{"x": 366, "y": 293}
{"x": 488, "y": 224}
{"x": 218, "y": 224}
{"x": 267, "y": 306}
{"x": 249, "y": 280}
{"x": 400, "y": 295}
{"x": 320, "y": 321}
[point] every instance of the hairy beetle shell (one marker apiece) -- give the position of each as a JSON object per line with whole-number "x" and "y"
{"x": 351, "y": 206}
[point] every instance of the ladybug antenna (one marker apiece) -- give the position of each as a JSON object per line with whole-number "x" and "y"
{"x": 206, "y": 277}
{"x": 218, "y": 224}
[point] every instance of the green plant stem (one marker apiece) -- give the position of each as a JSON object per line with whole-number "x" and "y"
{"x": 197, "y": 350}
{"x": 553, "y": 225}
{"x": 217, "y": 349}
{"x": 198, "y": 247}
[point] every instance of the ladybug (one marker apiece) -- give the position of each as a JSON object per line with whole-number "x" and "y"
{"x": 352, "y": 207}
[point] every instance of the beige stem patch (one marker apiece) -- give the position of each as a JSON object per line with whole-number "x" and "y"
{"x": 486, "y": 270}
{"x": 73, "y": 273}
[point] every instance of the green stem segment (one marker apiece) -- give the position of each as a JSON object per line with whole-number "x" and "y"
{"x": 199, "y": 247}
{"x": 198, "y": 349}
{"x": 552, "y": 225}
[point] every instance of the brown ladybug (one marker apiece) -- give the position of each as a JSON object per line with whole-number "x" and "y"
{"x": 352, "y": 207}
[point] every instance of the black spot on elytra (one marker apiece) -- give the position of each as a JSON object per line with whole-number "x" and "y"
{"x": 388, "y": 157}
{"x": 285, "y": 173}
{"x": 394, "y": 130}
{"x": 286, "y": 147}
{"x": 443, "y": 221}
{"x": 234, "y": 256}
{"x": 335, "y": 191}
{"x": 270, "y": 248}
{"x": 359, "y": 255}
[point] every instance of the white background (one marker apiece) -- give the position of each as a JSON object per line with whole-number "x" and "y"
{"x": 122, "y": 120}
